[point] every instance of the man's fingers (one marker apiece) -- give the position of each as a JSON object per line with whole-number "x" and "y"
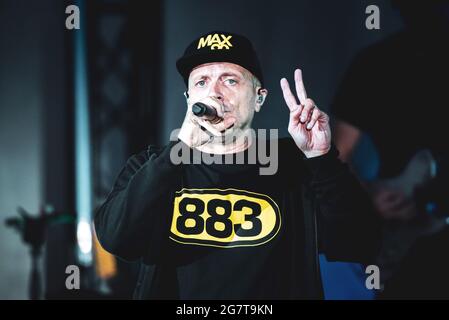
{"x": 197, "y": 136}
{"x": 299, "y": 84}
{"x": 209, "y": 128}
{"x": 314, "y": 118}
{"x": 294, "y": 115}
{"x": 217, "y": 129}
{"x": 307, "y": 111}
{"x": 288, "y": 95}
{"x": 294, "y": 124}
{"x": 390, "y": 200}
{"x": 218, "y": 106}
{"x": 229, "y": 122}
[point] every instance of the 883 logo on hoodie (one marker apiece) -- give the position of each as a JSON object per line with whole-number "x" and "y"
{"x": 224, "y": 218}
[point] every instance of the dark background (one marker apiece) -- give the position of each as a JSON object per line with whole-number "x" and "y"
{"x": 135, "y": 92}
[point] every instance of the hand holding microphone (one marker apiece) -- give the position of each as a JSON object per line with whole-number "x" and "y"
{"x": 200, "y": 109}
{"x": 209, "y": 113}
{"x": 204, "y": 120}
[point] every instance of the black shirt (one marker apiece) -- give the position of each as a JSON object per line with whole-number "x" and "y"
{"x": 396, "y": 92}
{"x": 226, "y": 232}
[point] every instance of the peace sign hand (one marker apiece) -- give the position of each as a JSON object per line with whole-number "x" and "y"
{"x": 308, "y": 125}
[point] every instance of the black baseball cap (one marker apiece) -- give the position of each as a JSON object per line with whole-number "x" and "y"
{"x": 219, "y": 46}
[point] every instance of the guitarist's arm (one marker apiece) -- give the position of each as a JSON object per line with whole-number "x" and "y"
{"x": 389, "y": 204}
{"x": 346, "y": 138}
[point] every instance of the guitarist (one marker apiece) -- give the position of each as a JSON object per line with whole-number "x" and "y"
{"x": 394, "y": 92}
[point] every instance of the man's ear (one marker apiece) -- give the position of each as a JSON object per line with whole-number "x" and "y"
{"x": 260, "y": 98}
{"x": 186, "y": 94}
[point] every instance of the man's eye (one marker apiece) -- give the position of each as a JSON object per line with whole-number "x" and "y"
{"x": 231, "y": 81}
{"x": 201, "y": 83}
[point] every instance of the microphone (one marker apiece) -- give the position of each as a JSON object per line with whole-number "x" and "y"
{"x": 203, "y": 110}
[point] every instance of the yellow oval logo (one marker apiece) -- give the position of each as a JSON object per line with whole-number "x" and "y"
{"x": 224, "y": 218}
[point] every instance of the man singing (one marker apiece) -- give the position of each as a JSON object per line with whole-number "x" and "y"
{"x": 226, "y": 231}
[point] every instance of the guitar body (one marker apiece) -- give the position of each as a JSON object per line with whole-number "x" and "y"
{"x": 419, "y": 171}
{"x": 399, "y": 236}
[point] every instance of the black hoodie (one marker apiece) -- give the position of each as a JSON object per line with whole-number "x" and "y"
{"x": 223, "y": 231}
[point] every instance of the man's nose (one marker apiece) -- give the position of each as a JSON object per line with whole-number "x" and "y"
{"x": 216, "y": 91}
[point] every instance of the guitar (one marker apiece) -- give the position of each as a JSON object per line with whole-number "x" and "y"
{"x": 399, "y": 236}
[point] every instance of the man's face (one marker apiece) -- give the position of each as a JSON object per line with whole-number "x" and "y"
{"x": 231, "y": 84}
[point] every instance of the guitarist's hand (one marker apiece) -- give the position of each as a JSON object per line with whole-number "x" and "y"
{"x": 393, "y": 204}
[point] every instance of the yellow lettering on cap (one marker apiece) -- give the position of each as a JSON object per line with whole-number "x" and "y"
{"x": 214, "y": 42}
{"x": 204, "y": 42}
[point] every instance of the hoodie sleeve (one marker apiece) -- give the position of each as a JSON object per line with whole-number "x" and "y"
{"x": 348, "y": 228}
{"x": 134, "y": 220}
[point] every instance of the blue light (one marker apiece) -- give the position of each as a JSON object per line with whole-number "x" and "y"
{"x": 83, "y": 173}
{"x": 431, "y": 207}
